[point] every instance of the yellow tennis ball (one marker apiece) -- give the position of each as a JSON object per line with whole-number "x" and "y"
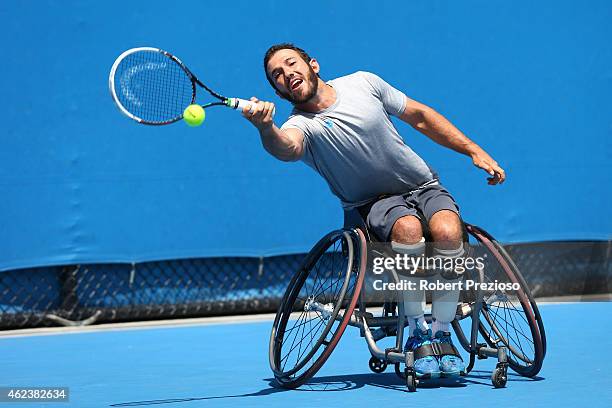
{"x": 194, "y": 115}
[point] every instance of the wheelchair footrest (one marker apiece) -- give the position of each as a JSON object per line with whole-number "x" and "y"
{"x": 436, "y": 349}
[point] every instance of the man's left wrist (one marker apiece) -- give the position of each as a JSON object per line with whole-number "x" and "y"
{"x": 472, "y": 149}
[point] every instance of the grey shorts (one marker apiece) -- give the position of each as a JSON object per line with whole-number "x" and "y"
{"x": 422, "y": 203}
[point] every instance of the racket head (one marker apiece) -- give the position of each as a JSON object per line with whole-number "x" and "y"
{"x": 151, "y": 86}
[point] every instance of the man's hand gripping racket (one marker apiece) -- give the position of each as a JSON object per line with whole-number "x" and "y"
{"x": 153, "y": 87}
{"x": 260, "y": 114}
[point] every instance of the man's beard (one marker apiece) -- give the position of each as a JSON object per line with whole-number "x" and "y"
{"x": 312, "y": 81}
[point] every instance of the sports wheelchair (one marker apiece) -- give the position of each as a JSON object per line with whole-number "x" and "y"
{"x": 327, "y": 294}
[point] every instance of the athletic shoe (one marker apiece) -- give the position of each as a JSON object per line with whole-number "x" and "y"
{"x": 427, "y": 366}
{"x": 450, "y": 366}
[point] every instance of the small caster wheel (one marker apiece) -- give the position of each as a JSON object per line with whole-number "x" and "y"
{"x": 499, "y": 376}
{"x": 399, "y": 372}
{"x": 411, "y": 382}
{"x": 377, "y": 365}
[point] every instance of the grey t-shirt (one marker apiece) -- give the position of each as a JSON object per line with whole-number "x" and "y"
{"x": 354, "y": 145}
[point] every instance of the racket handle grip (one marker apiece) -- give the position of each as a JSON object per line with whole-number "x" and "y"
{"x": 239, "y": 104}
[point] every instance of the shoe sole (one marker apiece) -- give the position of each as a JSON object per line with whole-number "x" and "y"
{"x": 452, "y": 374}
{"x": 428, "y": 376}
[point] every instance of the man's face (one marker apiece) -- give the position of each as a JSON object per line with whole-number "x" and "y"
{"x": 294, "y": 79}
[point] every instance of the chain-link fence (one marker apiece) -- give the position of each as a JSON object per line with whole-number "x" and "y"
{"x": 95, "y": 293}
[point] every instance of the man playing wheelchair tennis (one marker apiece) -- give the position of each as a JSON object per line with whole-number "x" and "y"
{"x": 342, "y": 129}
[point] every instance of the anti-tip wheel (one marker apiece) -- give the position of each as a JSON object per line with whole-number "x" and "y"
{"x": 377, "y": 365}
{"x": 411, "y": 382}
{"x": 499, "y": 377}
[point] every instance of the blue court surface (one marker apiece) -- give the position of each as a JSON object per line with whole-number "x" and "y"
{"x": 223, "y": 365}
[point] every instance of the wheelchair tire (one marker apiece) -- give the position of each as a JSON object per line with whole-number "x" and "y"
{"x": 510, "y": 318}
{"x": 329, "y": 281}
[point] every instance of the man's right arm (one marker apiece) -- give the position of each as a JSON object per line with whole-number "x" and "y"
{"x": 284, "y": 144}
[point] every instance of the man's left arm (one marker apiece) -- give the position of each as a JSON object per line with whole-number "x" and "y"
{"x": 429, "y": 122}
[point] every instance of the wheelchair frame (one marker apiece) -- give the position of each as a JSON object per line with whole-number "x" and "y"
{"x": 393, "y": 321}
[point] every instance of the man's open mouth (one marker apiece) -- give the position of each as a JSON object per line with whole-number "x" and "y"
{"x": 295, "y": 83}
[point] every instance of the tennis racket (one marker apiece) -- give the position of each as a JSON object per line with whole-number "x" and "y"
{"x": 153, "y": 87}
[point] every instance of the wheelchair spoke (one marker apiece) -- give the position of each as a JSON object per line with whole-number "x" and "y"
{"x": 331, "y": 272}
{"x": 513, "y": 324}
{"x": 335, "y": 284}
{"x": 308, "y": 346}
{"x": 293, "y": 345}
{"x": 299, "y": 328}
{"x": 510, "y": 341}
{"x": 328, "y": 287}
{"x": 518, "y": 334}
{"x": 315, "y": 284}
{"x": 512, "y": 304}
{"x": 520, "y": 312}
{"x": 299, "y": 346}
{"x": 518, "y": 343}
{"x": 290, "y": 347}
{"x": 513, "y": 308}
{"x": 303, "y": 323}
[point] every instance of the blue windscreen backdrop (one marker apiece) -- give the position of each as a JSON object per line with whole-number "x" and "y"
{"x": 529, "y": 81}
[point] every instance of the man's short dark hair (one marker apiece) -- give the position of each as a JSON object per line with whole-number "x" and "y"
{"x": 282, "y": 46}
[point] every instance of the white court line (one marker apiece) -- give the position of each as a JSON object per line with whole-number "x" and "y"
{"x": 246, "y": 319}
{"x": 151, "y": 324}
{"x": 573, "y": 299}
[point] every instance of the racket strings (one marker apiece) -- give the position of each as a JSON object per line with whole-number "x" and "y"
{"x": 153, "y": 87}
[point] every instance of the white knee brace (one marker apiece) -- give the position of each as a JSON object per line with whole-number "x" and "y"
{"x": 417, "y": 249}
{"x": 414, "y": 300}
{"x": 449, "y": 256}
{"x": 444, "y": 302}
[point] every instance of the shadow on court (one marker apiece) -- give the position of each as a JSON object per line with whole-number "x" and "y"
{"x": 337, "y": 383}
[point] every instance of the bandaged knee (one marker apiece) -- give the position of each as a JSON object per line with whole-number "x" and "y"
{"x": 414, "y": 300}
{"x": 449, "y": 262}
{"x": 413, "y": 254}
{"x": 444, "y": 302}
{"x": 444, "y": 306}
{"x": 414, "y": 309}
{"x": 417, "y": 249}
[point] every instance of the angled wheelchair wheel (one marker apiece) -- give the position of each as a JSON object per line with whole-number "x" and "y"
{"x": 509, "y": 317}
{"x": 317, "y": 307}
